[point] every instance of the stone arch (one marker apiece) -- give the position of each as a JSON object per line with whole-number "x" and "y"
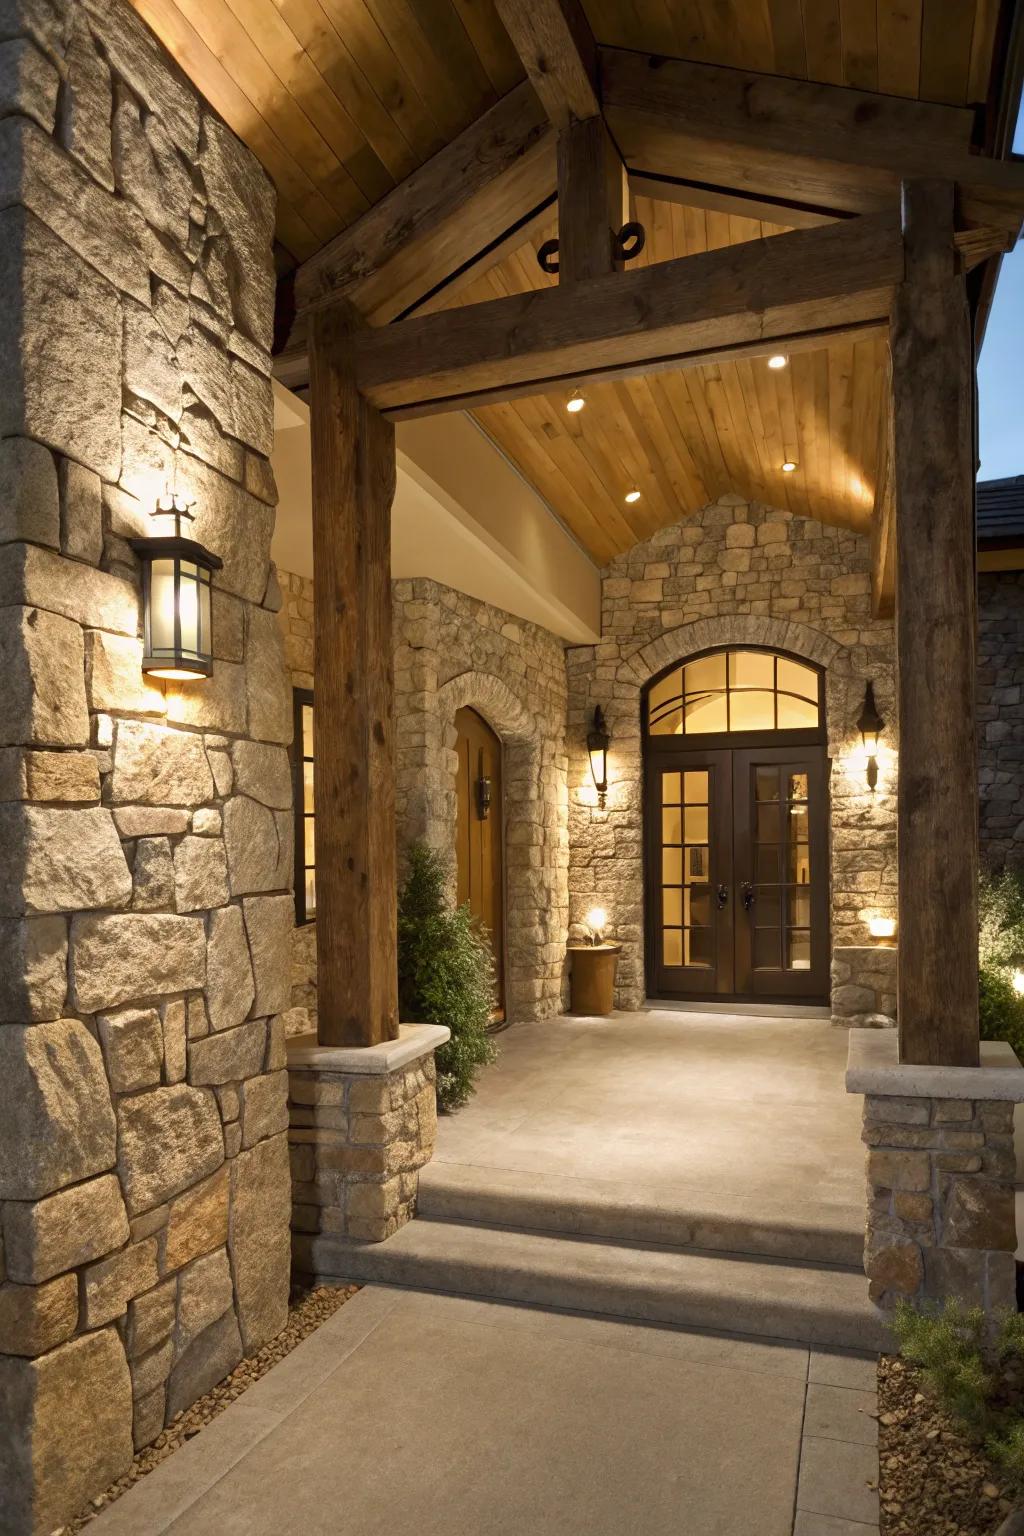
{"x": 532, "y": 979}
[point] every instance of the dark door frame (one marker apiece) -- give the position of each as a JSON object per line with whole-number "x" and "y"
{"x": 711, "y": 745}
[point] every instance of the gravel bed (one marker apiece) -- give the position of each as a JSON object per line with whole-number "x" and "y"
{"x": 307, "y": 1311}
{"x": 932, "y": 1480}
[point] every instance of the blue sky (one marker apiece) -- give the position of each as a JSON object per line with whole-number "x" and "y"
{"x": 1001, "y": 367}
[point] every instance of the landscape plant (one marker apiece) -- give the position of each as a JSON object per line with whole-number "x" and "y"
{"x": 445, "y": 973}
{"x": 972, "y": 1364}
{"x": 1001, "y": 958}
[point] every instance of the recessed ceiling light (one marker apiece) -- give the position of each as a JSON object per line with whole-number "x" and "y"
{"x": 788, "y": 466}
{"x": 778, "y": 360}
{"x": 633, "y": 495}
{"x": 575, "y": 402}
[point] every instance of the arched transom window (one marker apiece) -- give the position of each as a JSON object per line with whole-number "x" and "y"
{"x": 737, "y": 690}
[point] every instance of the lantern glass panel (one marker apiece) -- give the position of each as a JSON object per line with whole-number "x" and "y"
{"x": 188, "y": 608}
{"x": 161, "y": 608}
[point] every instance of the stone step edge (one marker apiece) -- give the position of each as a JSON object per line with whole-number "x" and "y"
{"x": 838, "y": 1321}
{"x": 604, "y": 1216}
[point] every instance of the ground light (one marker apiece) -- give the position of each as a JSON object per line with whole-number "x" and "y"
{"x": 597, "y": 922}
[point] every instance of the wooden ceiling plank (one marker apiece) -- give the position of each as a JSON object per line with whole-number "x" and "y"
{"x": 779, "y": 212}
{"x": 240, "y": 113}
{"x": 948, "y": 26}
{"x": 783, "y": 385}
{"x": 801, "y": 370}
{"x": 741, "y": 477}
{"x": 572, "y": 459}
{"x": 766, "y": 383}
{"x": 492, "y": 43}
{"x": 443, "y": 23}
{"x": 806, "y": 281}
{"x": 467, "y": 181}
{"x": 899, "y": 47}
{"x": 864, "y": 443}
{"x": 554, "y": 41}
{"x": 649, "y": 456}
{"x": 859, "y": 31}
{"x": 789, "y": 40}
{"x": 687, "y": 480}
{"x": 686, "y": 395}
{"x": 840, "y": 399}
{"x": 983, "y": 47}
{"x": 824, "y": 39}
{"x": 292, "y": 55}
{"x": 430, "y": 74}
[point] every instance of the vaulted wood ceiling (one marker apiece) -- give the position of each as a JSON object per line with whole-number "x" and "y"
{"x": 343, "y": 99}
{"x": 684, "y": 436}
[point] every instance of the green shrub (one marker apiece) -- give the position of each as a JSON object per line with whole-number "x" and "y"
{"x": 1000, "y": 955}
{"x": 966, "y": 1361}
{"x": 445, "y": 974}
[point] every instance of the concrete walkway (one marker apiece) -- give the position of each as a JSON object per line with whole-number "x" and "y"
{"x": 668, "y": 1107}
{"x": 412, "y": 1414}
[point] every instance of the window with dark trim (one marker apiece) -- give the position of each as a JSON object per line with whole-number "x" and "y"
{"x": 724, "y": 692}
{"x": 305, "y": 815}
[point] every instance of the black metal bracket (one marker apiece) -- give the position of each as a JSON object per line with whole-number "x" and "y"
{"x": 547, "y": 257}
{"x": 629, "y": 241}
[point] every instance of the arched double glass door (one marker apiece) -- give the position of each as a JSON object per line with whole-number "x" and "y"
{"x": 736, "y": 829}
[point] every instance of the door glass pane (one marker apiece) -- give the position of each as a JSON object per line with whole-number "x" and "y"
{"x": 307, "y": 730}
{"x": 664, "y": 700}
{"x": 798, "y": 907}
{"x": 766, "y": 864}
{"x": 767, "y": 949}
{"x": 309, "y": 841}
{"x": 798, "y": 949}
{"x": 672, "y": 865}
{"x": 696, "y": 865}
{"x": 672, "y": 946}
{"x": 768, "y": 824}
{"x": 754, "y": 711}
{"x": 698, "y": 946}
{"x": 705, "y": 675}
{"x": 672, "y": 905}
{"x": 696, "y": 787}
{"x": 699, "y": 906}
{"x": 795, "y": 678}
{"x": 798, "y": 823}
{"x": 800, "y": 863}
{"x": 695, "y": 822}
{"x": 307, "y": 786}
{"x": 751, "y": 669}
{"x": 310, "y": 892}
{"x": 668, "y": 723}
{"x": 706, "y": 712}
{"x": 768, "y": 906}
{"x": 767, "y": 784}
{"x": 670, "y": 786}
{"x": 671, "y": 826}
{"x": 796, "y": 714}
{"x": 797, "y": 786}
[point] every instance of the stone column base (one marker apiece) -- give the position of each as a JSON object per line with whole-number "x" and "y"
{"x": 362, "y": 1122}
{"x": 941, "y": 1170}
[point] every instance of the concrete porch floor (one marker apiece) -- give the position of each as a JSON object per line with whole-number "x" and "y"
{"x": 678, "y": 1110}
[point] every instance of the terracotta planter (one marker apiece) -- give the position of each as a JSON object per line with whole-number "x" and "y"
{"x": 593, "y": 977}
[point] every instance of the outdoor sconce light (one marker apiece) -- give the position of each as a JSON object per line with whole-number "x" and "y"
{"x": 483, "y": 798}
{"x": 597, "y": 922}
{"x": 176, "y": 577}
{"x": 871, "y": 725}
{"x": 882, "y": 927}
{"x": 597, "y": 746}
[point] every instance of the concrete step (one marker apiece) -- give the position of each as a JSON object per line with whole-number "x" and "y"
{"x": 825, "y": 1305}
{"x": 815, "y": 1232}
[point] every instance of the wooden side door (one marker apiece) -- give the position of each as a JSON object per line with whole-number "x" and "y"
{"x": 689, "y": 852}
{"x": 479, "y": 840}
{"x": 781, "y": 870}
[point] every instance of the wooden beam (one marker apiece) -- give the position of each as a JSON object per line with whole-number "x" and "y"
{"x": 822, "y": 145}
{"x": 883, "y": 523}
{"x": 554, "y": 41}
{"x": 748, "y": 205}
{"x": 936, "y": 617}
{"x": 493, "y": 175}
{"x": 811, "y": 280}
{"x": 593, "y": 201}
{"x": 353, "y": 461}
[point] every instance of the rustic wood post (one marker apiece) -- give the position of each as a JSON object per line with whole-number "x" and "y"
{"x": 593, "y": 200}
{"x": 353, "y": 460}
{"x": 937, "y": 813}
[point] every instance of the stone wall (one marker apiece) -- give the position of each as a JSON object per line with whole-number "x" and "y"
{"x": 735, "y": 574}
{"x": 1001, "y": 717}
{"x": 450, "y": 651}
{"x": 145, "y": 911}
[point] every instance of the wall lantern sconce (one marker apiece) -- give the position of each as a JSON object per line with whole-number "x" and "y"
{"x": 597, "y": 746}
{"x": 882, "y": 928}
{"x": 176, "y": 578}
{"x": 871, "y": 725}
{"x": 483, "y": 798}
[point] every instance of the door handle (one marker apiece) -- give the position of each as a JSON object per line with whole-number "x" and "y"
{"x": 723, "y": 896}
{"x": 747, "y": 895}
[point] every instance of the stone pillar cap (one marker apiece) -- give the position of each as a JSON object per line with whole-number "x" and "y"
{"x": 873, "y": 1067}
{"x": 414, "y": 1041}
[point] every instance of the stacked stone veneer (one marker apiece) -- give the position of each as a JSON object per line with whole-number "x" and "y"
{"x": 940, "y": 1200}
{"x": 737, "y": 574}
{"x": 1001, "y": 717}
{"x": 356, "y": 1144}
{"x": 145, "y": 828}
{"x": 452, "y": 650}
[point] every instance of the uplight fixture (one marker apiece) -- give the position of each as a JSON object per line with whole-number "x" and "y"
{"x": 1018, "y": 981}
{"x": 576, "y": 401}
{"x": 788, "y": 466}
{"x": 633, "y": 494}
{"x": 598, "y": 741}
{"x": 777, "y": 360}
{"x": 882, "y": 927}
{"x": 177, "y": 574}
{"x": 871, "y": 725}
{"x": 597, "y": 922}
